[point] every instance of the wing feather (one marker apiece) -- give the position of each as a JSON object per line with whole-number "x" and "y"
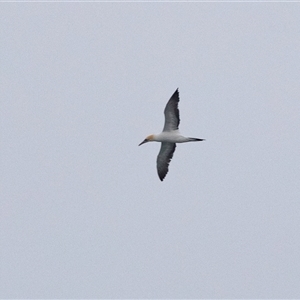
{"x": 163, "y": 159}
{"x": 172, "y": 113}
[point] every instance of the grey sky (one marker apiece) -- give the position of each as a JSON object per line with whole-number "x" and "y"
{"x": 83, "y": 212}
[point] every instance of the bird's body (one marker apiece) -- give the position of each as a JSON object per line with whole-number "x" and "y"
{"x": 169, "y": 136}
{"x": 173, "y": 136}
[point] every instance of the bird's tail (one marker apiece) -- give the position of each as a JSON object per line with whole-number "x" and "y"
{"x": 195, "y": 139}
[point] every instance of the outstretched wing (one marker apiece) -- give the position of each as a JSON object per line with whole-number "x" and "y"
{"x": 163, "y": 159}
{"x": 172, "y": 113}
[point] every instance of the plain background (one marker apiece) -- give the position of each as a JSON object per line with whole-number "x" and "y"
{"x": 83, "y": 212}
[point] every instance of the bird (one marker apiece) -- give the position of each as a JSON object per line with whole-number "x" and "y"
{"x": 169, "y": 137}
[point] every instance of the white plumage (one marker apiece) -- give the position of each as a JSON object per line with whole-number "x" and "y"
{"x": 169, "y": 136}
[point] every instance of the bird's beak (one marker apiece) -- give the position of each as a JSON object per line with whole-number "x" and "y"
{"x": 143, "y": 142}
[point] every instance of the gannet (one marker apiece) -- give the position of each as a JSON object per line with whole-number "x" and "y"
{"x": 169, "y": 136}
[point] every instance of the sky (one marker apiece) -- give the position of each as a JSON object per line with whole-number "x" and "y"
{"x": 83, "y": 212}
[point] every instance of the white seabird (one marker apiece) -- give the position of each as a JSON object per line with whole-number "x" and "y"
{"x": 169, "y": 136}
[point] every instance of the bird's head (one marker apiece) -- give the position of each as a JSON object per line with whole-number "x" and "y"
{"x": 149, "y": 138}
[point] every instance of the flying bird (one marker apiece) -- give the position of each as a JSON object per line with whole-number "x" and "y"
{"x": 168, "y": 137}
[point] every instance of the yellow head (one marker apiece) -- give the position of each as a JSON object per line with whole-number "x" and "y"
{"x": 149, "y": 138}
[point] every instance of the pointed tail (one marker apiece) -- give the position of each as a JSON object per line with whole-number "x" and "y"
{"x": 195, "y": 139}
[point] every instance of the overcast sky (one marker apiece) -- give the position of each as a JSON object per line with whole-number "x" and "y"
{"x": 83, "y": 213}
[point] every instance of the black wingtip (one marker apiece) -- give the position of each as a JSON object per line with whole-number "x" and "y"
{"x": 175, "y": 95}
{"x": 161, "y": 177}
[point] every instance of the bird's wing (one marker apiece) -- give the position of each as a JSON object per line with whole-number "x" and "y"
{"x": 163, "y": 159}
{"x": 172, "y": 113}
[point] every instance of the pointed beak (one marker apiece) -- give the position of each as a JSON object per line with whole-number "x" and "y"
{"x": 143, "y": 142}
